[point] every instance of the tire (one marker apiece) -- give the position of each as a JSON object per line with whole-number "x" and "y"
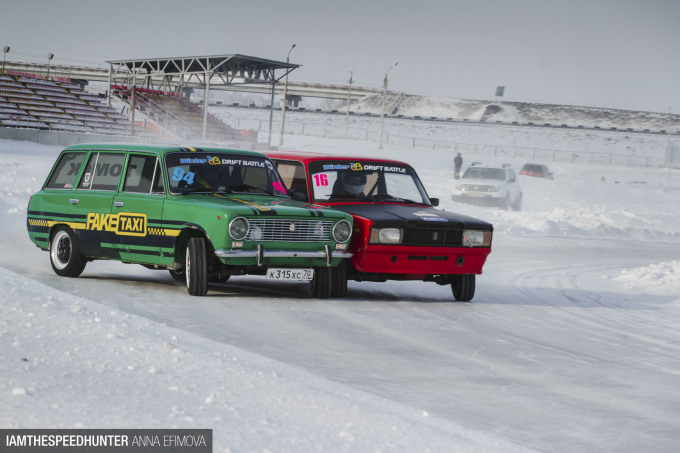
{"x": 321, "y": 283}
{"x": 339, "y": 280}
{"x": 463, "y": 287}
{"x": 196, "y": 267}
{"x": 65, "y": 255}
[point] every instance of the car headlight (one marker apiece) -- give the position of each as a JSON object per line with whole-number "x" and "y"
{"x": 342, "y": 231}
{"x": 495, "y": 188}
{"x": 476, "y": 238}
{"x": 238, "y": 228}
{"x": 386, "y": 235}
{"x": 460, "y": 186}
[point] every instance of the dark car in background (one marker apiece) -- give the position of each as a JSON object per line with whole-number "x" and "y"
{"x": 398, "y": 234}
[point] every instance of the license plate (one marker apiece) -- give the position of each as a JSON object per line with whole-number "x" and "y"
{"x": 275, "y": 273}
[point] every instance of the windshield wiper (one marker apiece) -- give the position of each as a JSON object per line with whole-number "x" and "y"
{"x": 347, "y": 196}
{"x": 245, "y": 189}
{"x": 392, "y": 197}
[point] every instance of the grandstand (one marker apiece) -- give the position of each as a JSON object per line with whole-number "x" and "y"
{"x": 28, "y": 101}
{"x": 170, "y": 115}
{"x": 34, "y": 102}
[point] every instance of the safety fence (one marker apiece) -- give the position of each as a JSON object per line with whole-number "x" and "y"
{"x": 652, "y": 154}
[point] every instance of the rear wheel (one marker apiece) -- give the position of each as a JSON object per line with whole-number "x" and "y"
{"x": 463, "y": 287}
{"x": 196, "y": 267}
{"x": 65, "y": 255}
{"x": 321, "y": 283}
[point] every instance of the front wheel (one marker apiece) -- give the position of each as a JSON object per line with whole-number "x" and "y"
{"x": 321, "y": 283}
{"x": 196, "y": 267}
{"x": 65, "y": 255}
{"x": 463, "y": 287}
{"x": 339, "y": 280}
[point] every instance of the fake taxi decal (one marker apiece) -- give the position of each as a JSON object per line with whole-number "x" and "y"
{"x": 123, "y": 223}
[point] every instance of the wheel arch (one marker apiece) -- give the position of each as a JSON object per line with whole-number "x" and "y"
{"x": 182, "y": 240}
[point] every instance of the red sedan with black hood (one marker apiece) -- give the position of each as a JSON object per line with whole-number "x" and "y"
{"x": 398, "y": 234}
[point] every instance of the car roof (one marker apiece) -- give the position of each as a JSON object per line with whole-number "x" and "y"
{"x": 307, "y": 157}
{"x": 159, "y": 149}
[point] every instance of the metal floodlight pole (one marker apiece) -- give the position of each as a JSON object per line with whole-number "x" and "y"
{"x": 271, "y": 114}
{"x": 49, "y": 59}
{"x": 349, "y": 97}
{"x": 4, "y": 57}
{"x": 285, "y": 96}
{"x": 382, "y": 113}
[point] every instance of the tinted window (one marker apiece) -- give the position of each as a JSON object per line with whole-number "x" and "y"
{"x": 102, "y": 172}
{"x": 199, "y": 172}
{"x": 65, "y": 172}
{"x": 141, "y": 171}
{"x": 293, "y": 176}
{"x": 375, "y": 181}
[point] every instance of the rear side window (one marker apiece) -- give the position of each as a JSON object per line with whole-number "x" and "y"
{"x": 143, "y": 174}
{"x": 65, "y": 172}
{"x": 103, "y": 171}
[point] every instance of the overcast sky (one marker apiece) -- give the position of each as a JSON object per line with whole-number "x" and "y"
{"x": 602, "y": 53}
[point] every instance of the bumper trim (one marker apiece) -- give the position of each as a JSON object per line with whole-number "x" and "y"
{"x": 260, "y": 254}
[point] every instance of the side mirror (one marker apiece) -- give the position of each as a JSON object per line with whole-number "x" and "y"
{"x": 434, "y": 201}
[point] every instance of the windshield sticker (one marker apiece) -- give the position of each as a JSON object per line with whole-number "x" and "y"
{"x": 178, "y": 174}
{"x": 215, "y": 160}
{"x": 321, "y": 179}
{"x": 357, "y": 166}
{"x": 278, "y": 187}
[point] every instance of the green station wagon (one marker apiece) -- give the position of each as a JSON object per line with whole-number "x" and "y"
{"x": 203, "y": 214}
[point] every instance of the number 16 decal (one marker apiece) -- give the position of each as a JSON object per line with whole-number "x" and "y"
{"x": 321, "y": 180}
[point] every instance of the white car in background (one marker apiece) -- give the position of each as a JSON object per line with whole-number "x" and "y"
{"x": 489, "y": 186}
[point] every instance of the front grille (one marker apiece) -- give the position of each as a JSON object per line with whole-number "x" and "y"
{"x": 289, "y": 230}
{"x": 434, "y": 237}
{"x": 477, "y": 188}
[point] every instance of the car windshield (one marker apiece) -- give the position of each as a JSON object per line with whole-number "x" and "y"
{"x": 484, "y": 173}
{"x": 365, "y": 181}
{"x": 205, "y": 172}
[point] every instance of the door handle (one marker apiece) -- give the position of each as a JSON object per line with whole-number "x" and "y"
{"x": 74, "y": 201}
{"x": 118, "y": 204}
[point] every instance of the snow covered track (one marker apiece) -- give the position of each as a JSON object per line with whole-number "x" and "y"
{"x": 572, "y": 342}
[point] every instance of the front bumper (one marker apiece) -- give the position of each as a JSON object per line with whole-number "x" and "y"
{"x": 260, "y": 253}
{"x": 395, "y": 259}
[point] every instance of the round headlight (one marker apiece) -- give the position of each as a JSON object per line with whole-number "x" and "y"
{"x": 342, "y": 231}
{"x": 238, "y": 228}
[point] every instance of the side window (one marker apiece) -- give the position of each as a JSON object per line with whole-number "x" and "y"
{"x": 293, "y": 175}
{"x": 103, "y": 171}
{"x": 140, "y": 173}
{"x": 65, "y": 172}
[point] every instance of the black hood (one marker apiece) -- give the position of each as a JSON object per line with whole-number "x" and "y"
{"x": 410, "y": 215}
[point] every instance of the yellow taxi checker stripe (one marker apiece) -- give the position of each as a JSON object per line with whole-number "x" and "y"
{"x": 51, "y": 223}
{"x": 153, "y": 231}
{"x": 38, "y": 222}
